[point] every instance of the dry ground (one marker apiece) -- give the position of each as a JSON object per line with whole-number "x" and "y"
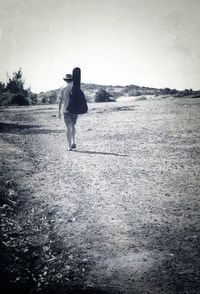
{"x": 118, "y": 215}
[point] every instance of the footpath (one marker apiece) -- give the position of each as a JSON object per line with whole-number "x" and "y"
{"x": 118, "y": 215}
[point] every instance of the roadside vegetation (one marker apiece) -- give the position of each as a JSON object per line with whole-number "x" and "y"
{"x": 103, "y": 96}
{"x": 14, "y": 92}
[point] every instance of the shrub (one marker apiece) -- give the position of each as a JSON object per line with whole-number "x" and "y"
{"x": 19, "y": 99}
{"x": 102, "y": 96}
{"x": 32, "y": 97}
{"x": 16, "y": 84}
{"x": 5, "y": 98}
{"x": 173, "y": 91}
{"x": 166, "y": 91}
{"x": 44, "y": 100}
{"x": 52, "y": 98}
{"x": 2, "y": 87}
{"x": 14, "y": 92}
{"x": 134, "y": 93}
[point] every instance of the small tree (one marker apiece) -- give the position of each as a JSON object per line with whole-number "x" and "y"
{"x": 102, "y": 96}
{"x": 166, "y": 91}
{"x": 188, "y": 92}
{"x": 15, "y": 90}
{"x": 173, "y": 91}
{"x": 44, "y": 100}
{"x": 52, "y": 98}
{"x": 16, "y": 84}
{"x": 2, "y": 87}
{"x": 19, "y": 99}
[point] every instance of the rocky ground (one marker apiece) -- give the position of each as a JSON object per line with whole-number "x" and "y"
{"x": 118, "y": 215}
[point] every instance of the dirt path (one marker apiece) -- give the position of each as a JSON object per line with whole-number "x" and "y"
{"x": 118, "y": 215}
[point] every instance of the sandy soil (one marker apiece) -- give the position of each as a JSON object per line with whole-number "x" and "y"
{"x": 118, "y": 215}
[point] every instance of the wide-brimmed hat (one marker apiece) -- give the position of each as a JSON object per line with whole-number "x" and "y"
{"x": 68, "y": 77}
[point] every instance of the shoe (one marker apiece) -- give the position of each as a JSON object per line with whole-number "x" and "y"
{"x": 69, "y": 149}
{"x": 73, "y": 146}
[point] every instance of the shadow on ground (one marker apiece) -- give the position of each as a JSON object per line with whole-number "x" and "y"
{"x": 23, "y": 259}
{"x": 30, "y": 129}
{"x": 100, "y": 153}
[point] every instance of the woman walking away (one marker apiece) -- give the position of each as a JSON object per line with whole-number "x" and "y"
{"x": 69, "y": 118}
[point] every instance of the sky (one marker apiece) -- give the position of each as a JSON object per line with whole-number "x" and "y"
{"x": 153, "y": 43}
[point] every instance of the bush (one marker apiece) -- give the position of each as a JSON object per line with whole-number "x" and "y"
{"x": 32, "y": 97}
{"x": 47, "y": 98}
{"x": 52, "y": 98}
{"x": 134, "y": 93}
{"x": 14, "y": 92}
{"x": 102, "y": 96}
{"x": 15, "y": 83}
{"x": 2, "y": 87}
{"x": 166, "y": 91}
{"x": 173, "y": 91}
{"x": 18, "y": 99}
{"x": 5, "y": 98}
{"x": 44, "y": 100}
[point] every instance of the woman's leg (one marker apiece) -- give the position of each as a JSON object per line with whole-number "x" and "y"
{"x": 69, "y": 135}
{"x": 73, "y": 130}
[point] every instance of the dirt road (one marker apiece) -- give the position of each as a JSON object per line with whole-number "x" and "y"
{"x": 118, "y": 215}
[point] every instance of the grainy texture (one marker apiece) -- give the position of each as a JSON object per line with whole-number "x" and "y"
{"x": 118, "y": 215}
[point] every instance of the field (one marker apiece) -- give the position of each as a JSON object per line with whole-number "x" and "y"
{"x": 118, "y": 215}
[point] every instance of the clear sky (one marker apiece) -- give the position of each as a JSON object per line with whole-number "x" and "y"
{"x": 114, "y": 42}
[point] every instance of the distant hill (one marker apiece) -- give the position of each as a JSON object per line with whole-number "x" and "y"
{"x": 90, "y": 90}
